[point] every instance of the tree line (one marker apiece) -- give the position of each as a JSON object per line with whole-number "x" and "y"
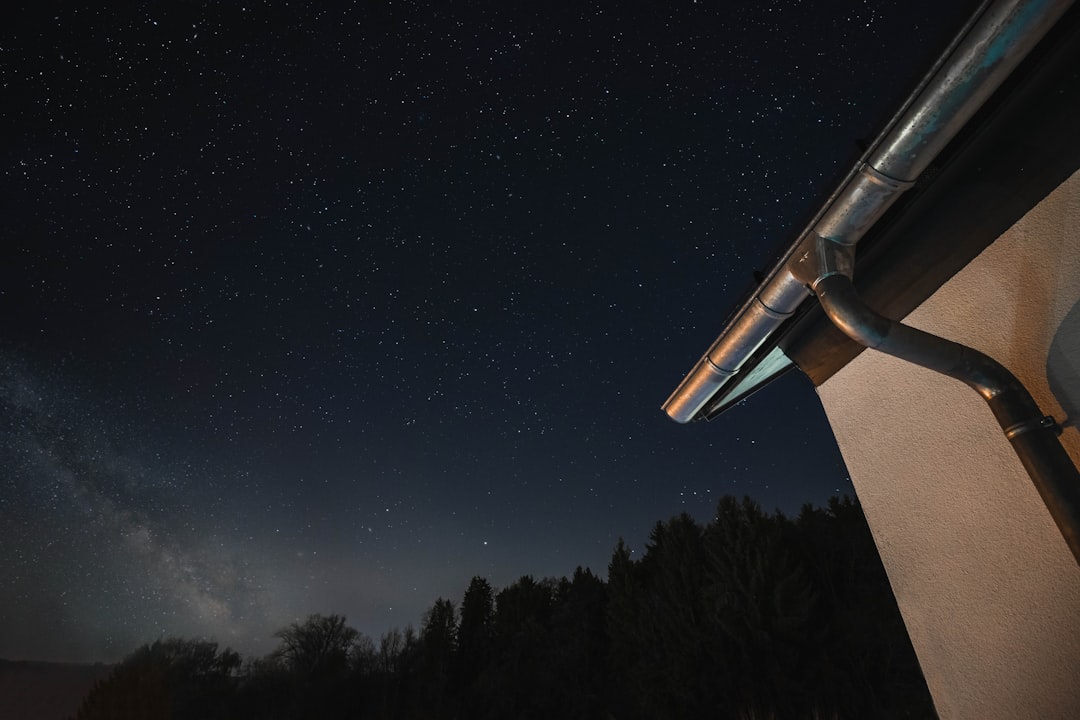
{"x": 753, "y": 615}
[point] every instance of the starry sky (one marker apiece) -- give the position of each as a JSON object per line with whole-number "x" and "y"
{"x": 331, "y": 310}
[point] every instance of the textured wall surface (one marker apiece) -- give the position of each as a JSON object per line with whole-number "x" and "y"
{"x": 987, "y": 586}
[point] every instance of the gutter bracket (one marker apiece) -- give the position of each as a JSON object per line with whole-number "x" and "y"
{"x": 1043, "y": 423}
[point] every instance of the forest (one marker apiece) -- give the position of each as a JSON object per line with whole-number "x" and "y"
{"x": 752, "y": 616}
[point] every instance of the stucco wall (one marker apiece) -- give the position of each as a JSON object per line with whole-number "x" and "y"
{"x": 986, "y": 585}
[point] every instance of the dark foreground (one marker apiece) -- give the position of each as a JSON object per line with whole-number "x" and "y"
{"x": 751, "y": 616}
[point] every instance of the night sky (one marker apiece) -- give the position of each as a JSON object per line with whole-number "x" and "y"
{"x": 331, "y": 310}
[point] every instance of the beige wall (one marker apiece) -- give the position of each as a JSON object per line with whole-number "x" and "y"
{"x": 987, "y": 586}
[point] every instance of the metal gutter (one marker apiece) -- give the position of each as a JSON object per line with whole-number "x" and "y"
{"x": 996, "y": 39}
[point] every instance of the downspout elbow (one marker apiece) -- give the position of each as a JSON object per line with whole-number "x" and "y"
{"x": 849, "y": 314}
{"x": 844, "y": 307}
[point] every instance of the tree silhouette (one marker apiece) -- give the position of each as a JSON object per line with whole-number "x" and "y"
{"x": 761, "y": 600}
{"x": 476, "y": 626}
{"x": 474, "y": 649}
{"x": 312, "y": 662}
{"x": 318, "y": 647}
{"x": 656, "y": 619}
{"x": 758, "y": 616}
{"x": 579, "y": 645}
{"x": 438, "y": 645}
{"x": 751, "y": 615}
{"x": 170, "y": 678}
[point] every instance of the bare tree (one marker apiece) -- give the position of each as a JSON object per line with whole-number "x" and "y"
{"x": 321, "y": 645}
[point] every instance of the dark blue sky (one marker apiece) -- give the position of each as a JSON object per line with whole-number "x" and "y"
{"x": 330, "y": 310}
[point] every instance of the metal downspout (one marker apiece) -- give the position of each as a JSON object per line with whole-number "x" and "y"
{"x": 1033, "y": 435}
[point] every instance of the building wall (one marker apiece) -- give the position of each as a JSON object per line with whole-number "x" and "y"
{"x": 987, "y": 587}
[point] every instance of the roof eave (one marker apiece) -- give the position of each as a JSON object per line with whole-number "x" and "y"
{"x": 989, "y": 47}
